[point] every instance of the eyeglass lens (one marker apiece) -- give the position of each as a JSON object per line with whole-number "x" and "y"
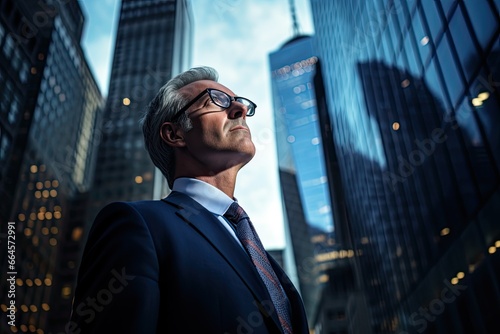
{"x": 223, "y": 100}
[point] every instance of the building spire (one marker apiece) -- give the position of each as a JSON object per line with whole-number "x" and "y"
{"x": 295, "y": 22}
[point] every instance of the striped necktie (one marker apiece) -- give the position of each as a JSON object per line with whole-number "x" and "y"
{"x": 251, "y": 242}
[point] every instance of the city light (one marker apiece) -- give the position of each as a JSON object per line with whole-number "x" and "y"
{"x": 479, "y": 100}
{"x": 445, "y": 231}
{"x": 405, "y": 83}
{"x": 425, "y": 40}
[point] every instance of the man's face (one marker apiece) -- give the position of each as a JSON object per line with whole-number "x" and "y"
{"x": 219, "y": 138}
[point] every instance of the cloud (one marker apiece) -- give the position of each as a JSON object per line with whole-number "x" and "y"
{"x": 236, "y": 38}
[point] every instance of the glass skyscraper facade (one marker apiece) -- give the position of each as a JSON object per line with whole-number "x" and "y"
{"x": 153, "y": 43}
{"x": 412, "y": 88}
{"x": 316, "y": 235}
{"x": 59, "y": 106}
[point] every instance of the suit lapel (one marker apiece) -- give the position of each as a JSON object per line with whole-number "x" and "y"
{"x": 205, "y": 223}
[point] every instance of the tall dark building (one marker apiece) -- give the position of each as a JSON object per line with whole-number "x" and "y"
{"x": 412, "y": 89}
{"x": 51, "y": 160}
{"x": 22, "y": 59}
{"x": 153, "y": 44}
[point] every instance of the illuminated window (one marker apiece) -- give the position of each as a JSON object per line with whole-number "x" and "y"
{"x": 27, "y": 232}
{"x": 445, "y": 231}
{"x": 323, "y": 278}
{"x": 77, "y": 233}
{"x": 66, "y": 292}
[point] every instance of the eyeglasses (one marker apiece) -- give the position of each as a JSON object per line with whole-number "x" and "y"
{"x": 221, "y": 99}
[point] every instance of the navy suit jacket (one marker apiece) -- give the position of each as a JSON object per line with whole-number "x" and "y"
{"x": 170, "y": 266}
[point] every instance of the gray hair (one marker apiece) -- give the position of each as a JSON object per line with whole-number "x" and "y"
{"x": 161, "y": 109}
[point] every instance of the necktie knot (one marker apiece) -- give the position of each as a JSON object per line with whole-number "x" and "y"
{"x": 235, "y": 213}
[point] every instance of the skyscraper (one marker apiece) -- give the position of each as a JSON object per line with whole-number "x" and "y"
{"x": 412, "y": 89}
{"x": 21, "y": 44}
{"x": 52, "y": 111}
{"x": 153, "y": 43}
{"x": 316, "y": 233}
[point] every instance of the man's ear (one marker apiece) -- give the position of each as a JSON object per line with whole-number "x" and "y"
{"x": 172, "y": 134}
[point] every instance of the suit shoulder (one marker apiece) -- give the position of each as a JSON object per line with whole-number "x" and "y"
{"x": 138, "y": 207}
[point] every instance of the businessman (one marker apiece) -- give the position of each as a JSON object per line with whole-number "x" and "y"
{"x": 192, "y": 262}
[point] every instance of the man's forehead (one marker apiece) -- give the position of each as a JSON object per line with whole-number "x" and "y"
{"x": 196, "y": 87}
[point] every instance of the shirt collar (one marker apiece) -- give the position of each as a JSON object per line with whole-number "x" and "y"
{"x": 213, "y": 199}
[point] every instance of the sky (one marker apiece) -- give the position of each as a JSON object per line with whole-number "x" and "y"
{"x": 235, "y": 37}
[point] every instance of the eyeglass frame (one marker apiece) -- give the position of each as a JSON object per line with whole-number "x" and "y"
{"x": 207, "y": 91}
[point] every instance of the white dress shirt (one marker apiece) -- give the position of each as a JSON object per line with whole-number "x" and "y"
{"x": 211, "y": 198}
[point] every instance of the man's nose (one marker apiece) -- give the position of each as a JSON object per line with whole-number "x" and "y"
{"x": 237, "y": 110}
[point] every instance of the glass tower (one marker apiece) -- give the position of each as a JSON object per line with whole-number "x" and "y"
{"x": 412, "y": 89}
{"x": 302, "y": 144}
{"x": 153, "y": 44}
{"x": 55, "y": 165}
{"x": 316, "y": 228}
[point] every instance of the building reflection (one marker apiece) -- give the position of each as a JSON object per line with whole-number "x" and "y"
{"x": 411, "y": 92}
